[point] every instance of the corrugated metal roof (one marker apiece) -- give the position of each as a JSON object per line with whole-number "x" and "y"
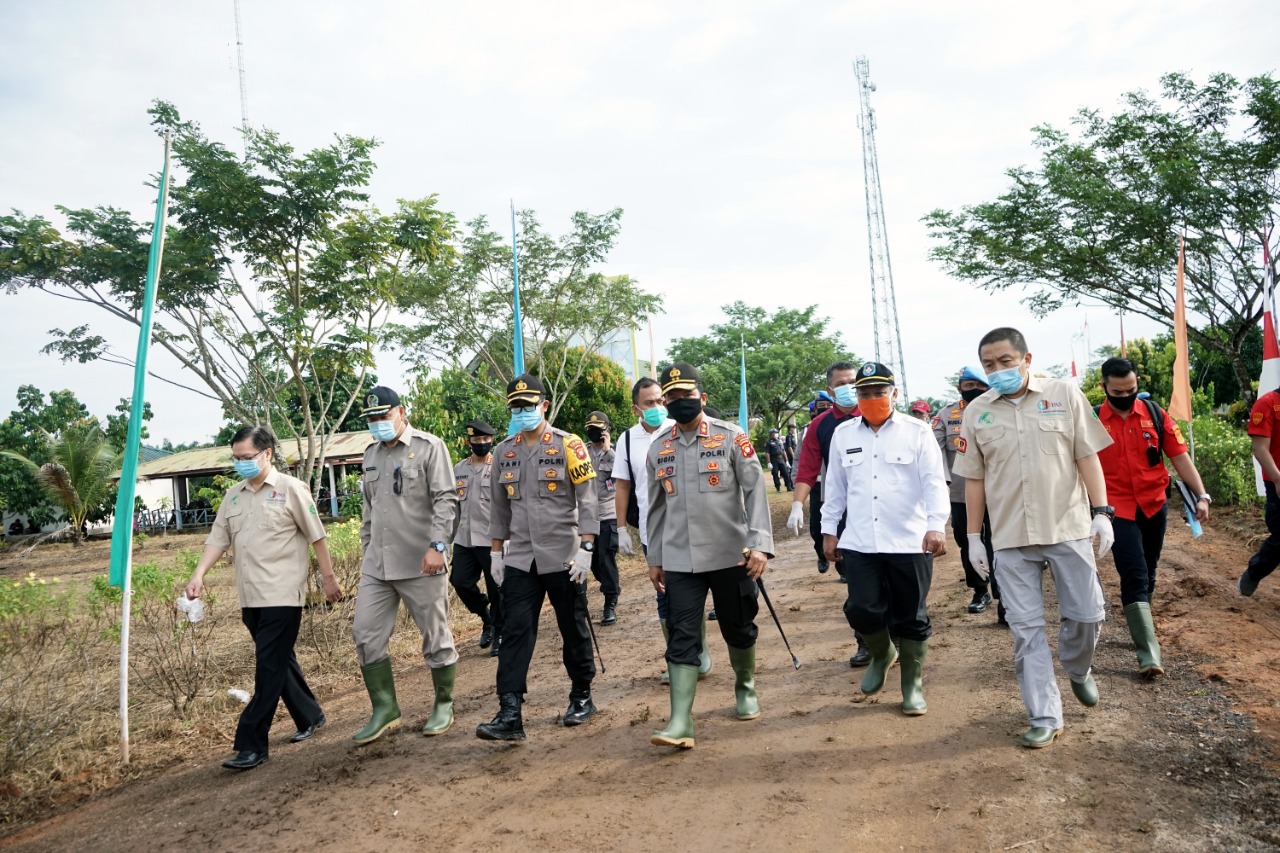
{"x": 343, "y": 448}
{"x": 150, "y": 454}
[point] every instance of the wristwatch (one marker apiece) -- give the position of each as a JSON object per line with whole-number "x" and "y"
{"x": 1205, "y": 497}
{"x": 1108, "y": 511}
{"x": 438, "y": 546}
{"x": 588, "y": 546}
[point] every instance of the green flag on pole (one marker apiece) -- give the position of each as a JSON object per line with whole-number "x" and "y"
{"x": 122, "y": 527}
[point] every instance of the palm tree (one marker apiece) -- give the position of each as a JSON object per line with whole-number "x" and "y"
{"x": 79, "y": 473}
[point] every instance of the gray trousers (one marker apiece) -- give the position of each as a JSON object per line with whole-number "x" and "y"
{"x": 378, "y": 604}
{"x": 1080, "y": 609}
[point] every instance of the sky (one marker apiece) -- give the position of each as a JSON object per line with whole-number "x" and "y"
{"x": 727, "y": 131}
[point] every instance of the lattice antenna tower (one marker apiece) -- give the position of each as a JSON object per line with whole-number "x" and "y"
{"x": 244, "y": 93}
{"x": 884, "y": 304}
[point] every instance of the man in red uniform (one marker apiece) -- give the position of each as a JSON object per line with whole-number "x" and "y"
{"x": 1264, "y": 431}
{"x": 1137, "y": 486}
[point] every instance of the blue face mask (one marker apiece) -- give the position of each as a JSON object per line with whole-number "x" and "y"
{"x": 247, "y": 468}
{"x": 655, "y": 416}
{"x": 383, "y": 430}
{"x": 846, "y": 397}
{"x": 1006, "y": 381}
{"x": 525, "y": 418}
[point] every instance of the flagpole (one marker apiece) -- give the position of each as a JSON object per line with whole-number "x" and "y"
{"x": 742, "y": 392}
{"x": 518, "y": 335}
{"x": 122, "y": 528}
{"x": 653, "y": 363}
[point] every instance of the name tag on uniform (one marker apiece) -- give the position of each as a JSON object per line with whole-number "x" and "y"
{"x": 853, "y": 450}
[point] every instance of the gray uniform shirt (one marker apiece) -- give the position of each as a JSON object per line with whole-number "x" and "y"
{"x": 602, "y": 461}
{"x": 707, "y": 498}
{"x": 543, "y": 498}
{"x": 946, "y": 429}
{"x": 475, "y": 497}
{"x": 399, "y": 528}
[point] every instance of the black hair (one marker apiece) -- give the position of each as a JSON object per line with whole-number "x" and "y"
{"x": 642, "y": 383}
{"x": 263, "y": 438}
{"x": 840, "y": 365}
{"x": 1116, "y": 368}
{"x": 1004, "y": 333}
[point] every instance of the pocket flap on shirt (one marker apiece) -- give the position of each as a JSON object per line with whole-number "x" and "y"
{"x": 1052, "y": 425}
{"x": 898, "y": 457}
{"x": 851, "y": 459}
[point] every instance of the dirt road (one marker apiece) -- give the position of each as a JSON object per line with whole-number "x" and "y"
{"x": 1168, "y": 766}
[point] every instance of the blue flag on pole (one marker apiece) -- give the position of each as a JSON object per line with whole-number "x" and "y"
{"x": 518, "y": 333}
{"x": 122, "y": 526}
{"x": 742, "y": 392}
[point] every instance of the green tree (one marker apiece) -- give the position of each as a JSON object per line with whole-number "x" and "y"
{"x": 78, "y": 473}
{"x": 118, "y": 424}
{"x": 788, "y": 353}
{"x": 278, "y": 276}
{"x": 602, "y": 387}
{"x": 565, "y": 303}
{"x": 1099, "y": 219}
{"x": 443, "y": 404}
{"x": 23, "y": 434}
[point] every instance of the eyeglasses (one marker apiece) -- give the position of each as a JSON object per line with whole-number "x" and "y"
{"x": 248, "y": 458}
{"x": 397, "y": 481}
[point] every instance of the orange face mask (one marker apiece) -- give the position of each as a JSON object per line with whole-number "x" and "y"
{"x": 876, "y": 410}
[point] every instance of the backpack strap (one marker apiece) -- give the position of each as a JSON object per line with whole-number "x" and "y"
{"x": 1157, "y": 417}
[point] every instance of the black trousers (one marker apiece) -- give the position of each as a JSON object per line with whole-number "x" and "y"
{"x": 733, "y": 595}
{"x": 522, "y": 597}
{"x": 960, "y": 530}
{"x": 781, "y": 470}
{"x": 604, "y": 559}
{"x": 1137, "y": 551}
{"x": 469, "y": 564}
{"x": 1265, "y": 561}
{"x": 815, "y": 526}
{"x": 276, "y": 676}
{"x": 889, "y": 591}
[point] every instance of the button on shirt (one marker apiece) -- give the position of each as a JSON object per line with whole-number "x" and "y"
{"x": 471, "y": 479}
{"x": 267, "y": 532}
{"x": 1133, "y": 483}
{"x": 890, "y": 483}
{"x": 1026, "y": 453}
{"x": 629, "y": 464}
{"x": 398, "y": 529}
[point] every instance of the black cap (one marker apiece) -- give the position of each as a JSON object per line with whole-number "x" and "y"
{"x": 773, "y": 432}
{"x": 679, "y": 376}
{"x": 598, "y": 419}
{"x": 525, "y": 389}
{"x": 873, "y": 373}
{"x": 379, "y": 401}
{"x": 478, "y": 428}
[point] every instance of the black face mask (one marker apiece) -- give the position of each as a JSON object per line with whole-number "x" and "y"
{"x": 685, "y": 410}
{"x": 596, "y": 434}
{"x": 972, "y": 394}
{"x": 1122, "y": 404}
{"x": 481, "y": 450}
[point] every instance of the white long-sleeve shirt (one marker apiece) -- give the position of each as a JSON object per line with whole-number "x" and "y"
{"x": 891, "y": 484}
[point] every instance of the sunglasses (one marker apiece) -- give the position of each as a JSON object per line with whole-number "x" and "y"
{"x": 397, "y": 481}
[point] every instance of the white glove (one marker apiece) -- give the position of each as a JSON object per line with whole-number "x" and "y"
{"x": 581, "y": 566}
{"x": 796, "y": 520}
{"x": 1101, "y": 528}
{"x": 497, "y": 566}
{"x": 978, "y": 556}
{"x": 624, "y": 543}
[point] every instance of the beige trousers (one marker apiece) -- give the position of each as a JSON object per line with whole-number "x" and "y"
{"x": 377, "y": 605}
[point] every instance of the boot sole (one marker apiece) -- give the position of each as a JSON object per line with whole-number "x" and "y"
{"x": 915, "y": 712}
{"x": 436, "y": 732}
{"x": 1151, "y": 671}
{"x": 754, "y": 716}
{"x": 680, "y": 742}
{"x": 379, "y": 733}
{"x": 1029, "y": 745}
{"x": 490, "y": 736}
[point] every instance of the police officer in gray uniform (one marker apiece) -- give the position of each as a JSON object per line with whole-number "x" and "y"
{"x": 472, "y": 478}
{"x": 709, "y": 530}
{"x": 604, "y": 560}
{"x": 546, "y": 508}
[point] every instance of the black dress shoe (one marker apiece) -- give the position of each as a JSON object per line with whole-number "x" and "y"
{"x": 981, "y": 601}
{"x": 823, "y": 565}
{"x": 302, "y": 734}
{"x": 861, "y": 658}
{"x": 711, "y": 617}
{"x": 245, "y": 760}
{"x": 486, "y": 635}
{"x": 580, "y": 707}
{"x": 497, "y": 644}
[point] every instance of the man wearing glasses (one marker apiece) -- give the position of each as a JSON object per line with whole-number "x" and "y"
{"x": 409, "y": 508}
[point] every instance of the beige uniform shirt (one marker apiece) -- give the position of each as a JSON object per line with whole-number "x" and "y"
{"x": 544, "y": 496}
{"x": 1027, "y": 455}
{"x": 472, "y": 480}
{"x": 707, "y": 498}
{"x": 268, "y": 533}
{"x": 399, "y": 528}
{"x": 946, "y": 429}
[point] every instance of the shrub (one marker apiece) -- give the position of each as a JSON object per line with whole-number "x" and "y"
{"x": 1224, "y": 460}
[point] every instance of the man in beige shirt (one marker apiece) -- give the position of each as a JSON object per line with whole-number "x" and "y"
{"x": 409, "y": 508}
{"x": 266, "y": 521}
{"x": 1028, "y": 451}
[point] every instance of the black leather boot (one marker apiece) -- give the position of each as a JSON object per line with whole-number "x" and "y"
{"x": 497, "y": 643}
{"x": 508, "y": 724}
{"x": 486, "y": 635}
{"x": 610, "y": 615}
{"x": 580, "y": 706}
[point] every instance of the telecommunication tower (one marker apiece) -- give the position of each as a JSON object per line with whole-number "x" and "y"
{"x": 884, "y": 304}
{"x": 244, "y": 95}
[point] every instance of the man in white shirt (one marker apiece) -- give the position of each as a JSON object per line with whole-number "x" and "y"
{"x": 631, "y": 483}
{"x": 885, "y": 474}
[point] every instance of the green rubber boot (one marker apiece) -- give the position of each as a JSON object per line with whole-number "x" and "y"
{"x": 743, "y": 662}
{"x": 679, "y": 730}
{"x": 704, "y": 657}
{"x": 380, "y": 683}
{"x": 1143, "y": 631}
{"x": 883, "y": 656}
{"x": 442, "y": 712}
{"x": 666, "y": 639}
{"x": 912, "y": 661}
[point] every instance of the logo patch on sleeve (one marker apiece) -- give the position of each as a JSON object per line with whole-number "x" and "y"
{"x": 961, "y": 445}
{"x": 744, "y": 444}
